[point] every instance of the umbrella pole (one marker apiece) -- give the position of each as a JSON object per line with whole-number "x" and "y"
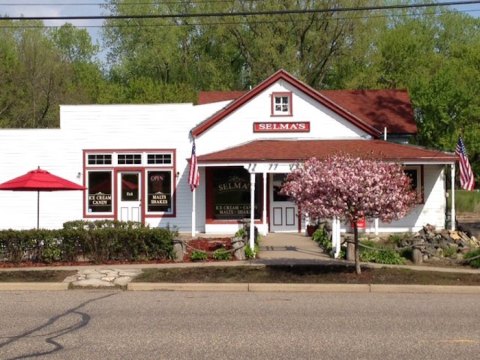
{"x": 38, "y": 209}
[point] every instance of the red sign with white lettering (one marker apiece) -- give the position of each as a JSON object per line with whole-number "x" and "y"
{"x": 281, "y": 127}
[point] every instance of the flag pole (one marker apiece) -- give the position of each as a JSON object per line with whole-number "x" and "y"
{"x": 193, "y": 212}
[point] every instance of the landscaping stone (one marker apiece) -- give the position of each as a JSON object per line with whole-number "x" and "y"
{"x": 238, "y": 245}
{"x": 179, "y": 249}
{"x": 417, "y": 256}
{"x": 102, "y": 278}
{"x": 433, "y": 244}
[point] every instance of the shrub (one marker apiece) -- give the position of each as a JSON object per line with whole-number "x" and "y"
{"x": 99, "y": 241}
{"x": 222, "y": 254}
{"x": 471, "y": 254}
{"x": 198, "y": 255}
{"x": 321, "y": 237}
{"x": 449, "y": 251}
{"x": 377, "y": 253}
{"x": 240, "y": 233}
{"x": 249, "y": 253}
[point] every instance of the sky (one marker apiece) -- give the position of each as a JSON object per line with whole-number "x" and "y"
{"x": 93, "y": 7}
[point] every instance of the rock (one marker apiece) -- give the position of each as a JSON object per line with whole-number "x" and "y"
{"x": 122, "y": 281}
{"x": 179, "y": 249}
{"x": 108, "y": 278}
{"x": 350, "y": 251}
{"x": 93, "y": 283}
{"x": 417, "y": 256}
{"x": 454, "y": 235}
{"x": 131, "y": 273}
{"x": 238, "y": 245}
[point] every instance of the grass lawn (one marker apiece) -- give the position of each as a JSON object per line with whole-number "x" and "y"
{"x": 35, "y": 275}
{"x": 305, "y": 274}
{"x": 465, "y": 201}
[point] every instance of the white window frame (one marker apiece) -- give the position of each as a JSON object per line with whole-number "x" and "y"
{"x": 281, "y": 96}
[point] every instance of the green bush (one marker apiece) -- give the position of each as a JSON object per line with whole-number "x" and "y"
{"x": 240, "y": 233}
{"x": 471, "y": 254}
{"x": 198, "y": 255}
{"x": 99, "y": 241}
{"x": 222, "y": 254}
{"x": 379, "y": 254}
{"x": 321, "y": 237}
{"x": 249, "y": 253}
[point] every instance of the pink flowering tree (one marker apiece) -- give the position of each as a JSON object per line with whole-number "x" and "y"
{"x": 351, "y": 188}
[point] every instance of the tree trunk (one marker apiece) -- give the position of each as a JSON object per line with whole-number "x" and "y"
{"x": 358, "y": 270}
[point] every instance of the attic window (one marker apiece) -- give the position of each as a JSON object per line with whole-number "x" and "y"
{"x": 282, "y": 104}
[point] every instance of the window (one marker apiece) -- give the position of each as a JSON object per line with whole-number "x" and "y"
{"x": 159, "y": 191}
{"x": 99, "y": 192}
{"x": 99, "y": 159}
{"x": 129, "y": 159}
{"x": 129, "y": 181}
{"x": 231, "y": 194}
{"x": 159, "y": 159}
{"x": 415, "y": 173}
{"x": 281, "y": 104}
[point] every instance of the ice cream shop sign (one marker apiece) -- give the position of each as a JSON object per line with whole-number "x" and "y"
{"x": 286, "y": 126}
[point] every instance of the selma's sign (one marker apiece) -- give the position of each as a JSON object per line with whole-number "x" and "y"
{"x": 293, "y": 126}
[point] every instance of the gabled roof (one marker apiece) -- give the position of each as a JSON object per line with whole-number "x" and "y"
{"x": 208, "y": 97}
{"x": 285, "y": 76}
{"x": 390, "y": 108}
{"x": 298, "y": 150}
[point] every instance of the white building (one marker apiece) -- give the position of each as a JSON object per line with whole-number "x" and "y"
{"x": 134, "y": 159}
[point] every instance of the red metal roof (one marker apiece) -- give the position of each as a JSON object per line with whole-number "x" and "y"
{"x": 293, "y": 150}
{"x": 283, "y": 75}
{"x": 379, "y": 108}
{"x": 207, "y": 97}
{"x": 371, "y": 110}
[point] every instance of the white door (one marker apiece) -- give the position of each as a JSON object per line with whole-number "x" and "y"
{"x": 129, "y": 195}
{"x": 283, "y": 212}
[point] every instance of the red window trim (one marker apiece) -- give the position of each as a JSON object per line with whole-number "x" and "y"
{"x": 141, "y": 168}
{"x": 272, "y": 103}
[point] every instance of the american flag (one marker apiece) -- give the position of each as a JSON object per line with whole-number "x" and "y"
{"x": 467, "y": 180}
{"x": 194, "y": 175}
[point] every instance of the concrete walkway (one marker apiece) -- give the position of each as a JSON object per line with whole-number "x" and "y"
{"x": 290, "y": 246}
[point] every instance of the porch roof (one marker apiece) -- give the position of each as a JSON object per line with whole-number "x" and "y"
{"x": 298, "y": 150}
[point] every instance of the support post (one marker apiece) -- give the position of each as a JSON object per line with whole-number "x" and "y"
{"x": 193, "y": 213}
{"x": 252, "y": 211}
{"x": 334, "y": 235}
{"x": 38, "y": 208}
{"x": 264, "y": 213}
{"x": 452, "y": 212}
{"x": 376, "y": 226}
{"x": 337, "y": 241}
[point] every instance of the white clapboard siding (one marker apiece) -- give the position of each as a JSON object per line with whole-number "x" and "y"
{"x": 236, "y": 128}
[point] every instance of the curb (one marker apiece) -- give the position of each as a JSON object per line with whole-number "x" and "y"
{"x": 33, "y": 286}
{"x": 425, "y": 289}
{"x": 319, "y": 288}
{"x": 260, "y": 287}
{"x": 236, "y": 287}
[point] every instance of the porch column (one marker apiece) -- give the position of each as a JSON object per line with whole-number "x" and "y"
{"x": 252, "y": 211}
{"x": 264, "y": 213}
{"x": 334, "y": 234}
{"x": 337, "y": 240}
{"x": 452, "y": 212}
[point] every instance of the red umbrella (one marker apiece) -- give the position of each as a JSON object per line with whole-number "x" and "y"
{"x": 39, "y": 180}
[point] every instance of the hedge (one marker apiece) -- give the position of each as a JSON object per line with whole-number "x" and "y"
{"x": 95, "y": 241}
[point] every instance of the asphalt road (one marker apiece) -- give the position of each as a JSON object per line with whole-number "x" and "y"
{"x": 202, "y": 325}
